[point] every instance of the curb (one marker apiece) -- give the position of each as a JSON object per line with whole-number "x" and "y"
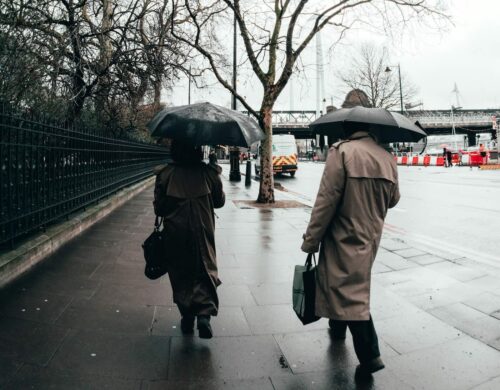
{"x": 20, "y": 260}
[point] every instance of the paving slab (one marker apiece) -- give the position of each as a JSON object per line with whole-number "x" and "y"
{"x": 471, "y": 321}
{"x": 410, "y": 252}
{"x": 415, "y": 331}
{"x": 225, "y": 358}
{"x": 141, "y": 293}
{"x": 486, "y": 283}
{"x": 109, "y": 354}
{"x": 457, "y": 364}
{"x": 29, "y": 342}
{"x": 45, "y": 378}
{"x": 242, "y": 384}
{"x": 8, "y": 368}
{"x": 486, "y": 302}
{"x": 33, "y": 306}
{"x": 426, "y": 259}
{"x": 72, "y": 285}
{"x": 273, "y": 293}
{"x": 392, "y": 244}
{"x": 394, "y": 261}
{"x": 273, "y": 319}
{"x": 492, "y": 384}
{"x": 119, "y": 317}
{"x": 235, "y": 295}
{"x": 459, "y": 272}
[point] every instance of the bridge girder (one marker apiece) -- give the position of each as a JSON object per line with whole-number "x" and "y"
{"x": 304, "y": 132}
{"x": 433, "y": 121}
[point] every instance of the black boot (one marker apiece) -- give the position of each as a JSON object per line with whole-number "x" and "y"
{"x": 368, "y": 368}
{"x": 187, "y": 324}
{"x": 204, "y": 328}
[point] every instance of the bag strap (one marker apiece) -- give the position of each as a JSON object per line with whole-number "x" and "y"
{"x": 309, "y": 261}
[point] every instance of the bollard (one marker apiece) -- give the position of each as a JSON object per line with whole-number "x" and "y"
{"x": 234, "y": 160}
{"x": 248, "y": 177}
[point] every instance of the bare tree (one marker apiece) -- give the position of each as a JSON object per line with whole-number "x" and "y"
{"x": 275, "y": 34}
{"x": 371, "y": 71}
{"x": 103, "y": 58}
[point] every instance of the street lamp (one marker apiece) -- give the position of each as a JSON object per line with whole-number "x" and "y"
{"x": 388, "y": 69}
{"x": 234, "y": 152}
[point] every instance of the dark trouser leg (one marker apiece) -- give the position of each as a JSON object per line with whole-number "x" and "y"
{"x": 338, "y": 328}
{"x": 365, "y": 340}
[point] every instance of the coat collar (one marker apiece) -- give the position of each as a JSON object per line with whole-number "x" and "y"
{"x": 360, "y": 134}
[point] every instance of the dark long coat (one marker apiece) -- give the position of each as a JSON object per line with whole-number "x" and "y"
{"x": 359, "y": 185}
{"x": 186, "y": 195}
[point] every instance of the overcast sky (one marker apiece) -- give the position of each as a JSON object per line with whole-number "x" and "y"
{"x": 468, "y": 54}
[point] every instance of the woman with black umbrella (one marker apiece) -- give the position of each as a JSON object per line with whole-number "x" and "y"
{"x": 186, "y": 193}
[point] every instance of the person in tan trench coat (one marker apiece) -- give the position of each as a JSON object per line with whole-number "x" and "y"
{"x": 186, "y": 193}
{"x": 359, "y": 185}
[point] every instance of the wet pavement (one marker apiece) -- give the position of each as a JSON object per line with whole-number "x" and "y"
{"x": 87, "y": 318}
{"x": 453, "y": 208}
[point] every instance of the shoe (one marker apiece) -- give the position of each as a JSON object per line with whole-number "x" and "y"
{"x": 204, "y": 328}
{"x": 336, "y": 335}
{"x": 370, "y": 367}
{"x": 187, "y": 325}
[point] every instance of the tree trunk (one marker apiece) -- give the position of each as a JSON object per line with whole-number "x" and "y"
{"x": 106, "y": 52}
{"x": 157, "y": 95}
{"x": 266, "y": 189}
{"x": 78, "y": 85}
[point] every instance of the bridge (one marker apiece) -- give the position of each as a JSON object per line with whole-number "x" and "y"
{"x": 469, "y": 122}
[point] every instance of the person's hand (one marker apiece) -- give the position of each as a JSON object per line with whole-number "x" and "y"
{"x": 307, "y": 247}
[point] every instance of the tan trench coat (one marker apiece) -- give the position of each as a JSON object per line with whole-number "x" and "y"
{"x": 359, "y": 185}
{"x": 186, "y": 197}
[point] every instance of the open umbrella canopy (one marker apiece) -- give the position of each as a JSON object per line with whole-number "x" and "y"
{"x": 206, "y": 124}
{"x": 386, "y": 125}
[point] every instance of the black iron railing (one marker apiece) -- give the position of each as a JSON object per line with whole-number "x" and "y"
{"x": 49, "y": 171}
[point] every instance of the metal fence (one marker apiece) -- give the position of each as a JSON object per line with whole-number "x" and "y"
{"x": 48, "y": 171}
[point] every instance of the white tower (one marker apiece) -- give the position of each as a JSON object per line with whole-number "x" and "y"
{"x": 320, "y": 75}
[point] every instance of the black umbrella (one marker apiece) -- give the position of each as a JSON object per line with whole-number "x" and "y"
{"x": 386, "y": 125}
{"x": 206, "y": 124}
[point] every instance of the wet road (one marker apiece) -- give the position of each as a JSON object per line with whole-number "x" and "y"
{"x": 452, "y": 209}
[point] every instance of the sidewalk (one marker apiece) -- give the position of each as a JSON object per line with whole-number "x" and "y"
{"x": 87, "y": 318}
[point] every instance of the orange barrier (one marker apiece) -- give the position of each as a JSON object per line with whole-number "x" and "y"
{"x": 419, "y": 160}
{"x": 475, "y": 159}
{"x": 472, "y": 158}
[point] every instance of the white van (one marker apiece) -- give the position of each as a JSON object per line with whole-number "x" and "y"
{"x": 284, "y": 155}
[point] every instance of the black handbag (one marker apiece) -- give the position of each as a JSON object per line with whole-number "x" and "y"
{"x": 304, "y": 290}
{"x": 154, "y": 253}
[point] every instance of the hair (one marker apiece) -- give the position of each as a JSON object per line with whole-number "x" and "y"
{"x": 185, "y": 153}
